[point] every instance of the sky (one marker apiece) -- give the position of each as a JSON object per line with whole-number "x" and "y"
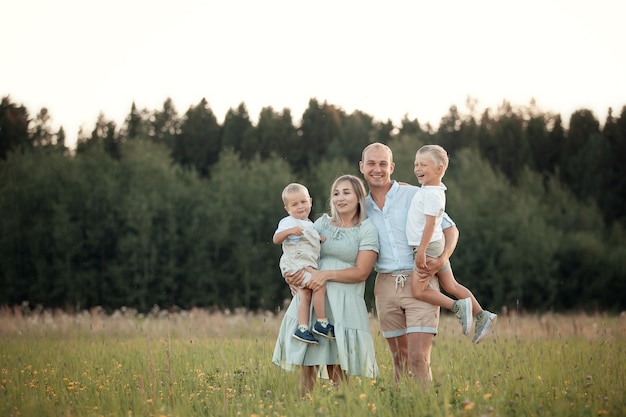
{"x": 389, "y": 59}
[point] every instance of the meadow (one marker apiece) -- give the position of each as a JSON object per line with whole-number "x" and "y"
{"x": 211, "y": 363}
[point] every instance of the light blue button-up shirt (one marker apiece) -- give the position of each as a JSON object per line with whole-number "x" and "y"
{"x": 395, "y": 253}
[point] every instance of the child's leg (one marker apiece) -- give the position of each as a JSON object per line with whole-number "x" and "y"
{"x": 423, "y": 292}
{"x": 319, "y": 303}
{"x": 304, "y": 307}
{"x": 322, "y": 326}
{"x": 451, "y": 286}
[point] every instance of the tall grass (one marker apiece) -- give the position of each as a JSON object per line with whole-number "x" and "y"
{"x": 216, "y": 364}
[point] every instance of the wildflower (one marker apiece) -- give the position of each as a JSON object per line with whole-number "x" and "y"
{"x": 487, "y": 396}
{"x": 363, "y": 396}
{"x": 468, "y": 405}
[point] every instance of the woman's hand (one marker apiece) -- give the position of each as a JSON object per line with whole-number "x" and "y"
{"x": 318, "y": 279}
{"x": 294, "y": 280}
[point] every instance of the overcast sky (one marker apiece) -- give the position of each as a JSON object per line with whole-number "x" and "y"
{"x": 79, "y": 58}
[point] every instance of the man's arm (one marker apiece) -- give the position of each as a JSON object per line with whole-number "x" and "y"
{"x": 433, "y": 265}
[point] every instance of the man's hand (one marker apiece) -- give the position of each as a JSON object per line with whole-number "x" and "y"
{"x": 433, "y": 265}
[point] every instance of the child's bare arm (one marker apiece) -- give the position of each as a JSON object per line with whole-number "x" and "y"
{"x": 429, "y": 229}
{"x": 281, "y": 236}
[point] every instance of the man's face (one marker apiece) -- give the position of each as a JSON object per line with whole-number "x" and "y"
{"x": 377, "y": 167}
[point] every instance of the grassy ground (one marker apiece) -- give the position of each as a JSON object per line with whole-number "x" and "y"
{"x": 215, "y": 364}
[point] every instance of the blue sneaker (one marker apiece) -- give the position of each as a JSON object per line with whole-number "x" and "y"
{"x": 328, "y": 331}
{"x": 305, "y": 336}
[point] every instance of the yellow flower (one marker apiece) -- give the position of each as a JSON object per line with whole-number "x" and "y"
{"x": 363, "y": 396}
{"x": 468, "y": 405}
{"x": 487, "y": 396}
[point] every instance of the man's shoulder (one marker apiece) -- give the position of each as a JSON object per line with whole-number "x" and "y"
{"x": 404, "y": 190}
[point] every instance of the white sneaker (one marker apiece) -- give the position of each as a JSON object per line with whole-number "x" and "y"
{"x": 463, "y": 310}
{"x": 484, "y": 322}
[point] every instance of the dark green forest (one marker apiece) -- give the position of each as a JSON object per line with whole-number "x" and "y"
{"x": 178, "y": 211}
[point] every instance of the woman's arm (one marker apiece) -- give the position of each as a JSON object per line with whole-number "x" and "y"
{"x": 358, "y": 273}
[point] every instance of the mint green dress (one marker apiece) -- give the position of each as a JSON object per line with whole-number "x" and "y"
{"x": 353, "y": 346}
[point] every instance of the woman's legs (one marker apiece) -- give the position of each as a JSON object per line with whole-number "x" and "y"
{"x": 336, "y": 374}
{"x": 308, "y": 376}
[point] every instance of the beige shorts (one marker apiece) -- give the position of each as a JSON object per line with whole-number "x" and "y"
{"x": 398, "y": 311}
{"x": 433, "y": 250}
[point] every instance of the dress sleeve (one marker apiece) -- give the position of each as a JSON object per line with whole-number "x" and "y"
{"x": 320, "y": 224}
{"x": 369, "y": 237}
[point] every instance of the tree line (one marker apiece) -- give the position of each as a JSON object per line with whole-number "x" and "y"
{"x": 179, "y": 210}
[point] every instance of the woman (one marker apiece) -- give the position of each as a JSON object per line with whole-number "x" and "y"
{"x": 346, "y": 259}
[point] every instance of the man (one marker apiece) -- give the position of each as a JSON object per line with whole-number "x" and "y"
{"x": 408, "y": 324}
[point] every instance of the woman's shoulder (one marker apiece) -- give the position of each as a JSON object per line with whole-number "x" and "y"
{"x": 323, "y": 220}
{"x": 368, "y": 223}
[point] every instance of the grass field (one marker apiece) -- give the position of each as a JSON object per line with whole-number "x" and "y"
{"x": 198, "y": 363}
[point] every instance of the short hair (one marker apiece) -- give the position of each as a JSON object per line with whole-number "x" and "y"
{"x": 377, "y": 145}
{"x": 359, "y": 189}
{"x": 437, "y": 153}
{"x": 294, "y": 187}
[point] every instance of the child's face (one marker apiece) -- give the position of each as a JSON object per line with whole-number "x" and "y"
{"x": 426, "y": 171}
{"x": 298, "y": 205}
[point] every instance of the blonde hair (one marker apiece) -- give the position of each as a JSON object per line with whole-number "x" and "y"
{"x": 379, "y": 146}
{"x": 437, "y": 154}
{"x": 359, "y": 189}
{"x": 294, "y": 187}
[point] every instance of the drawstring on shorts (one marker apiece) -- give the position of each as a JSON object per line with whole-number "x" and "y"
{"x": 400, "y": 280}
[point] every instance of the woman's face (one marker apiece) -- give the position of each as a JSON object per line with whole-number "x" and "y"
{"x": 345, "y": 199}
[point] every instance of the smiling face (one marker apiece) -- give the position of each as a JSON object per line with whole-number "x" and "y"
{"x": 298, "y": 204}
{"x": 345, "y": 199}
{"x": 426, "y": 171}
{"x": 377, "y": 166}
